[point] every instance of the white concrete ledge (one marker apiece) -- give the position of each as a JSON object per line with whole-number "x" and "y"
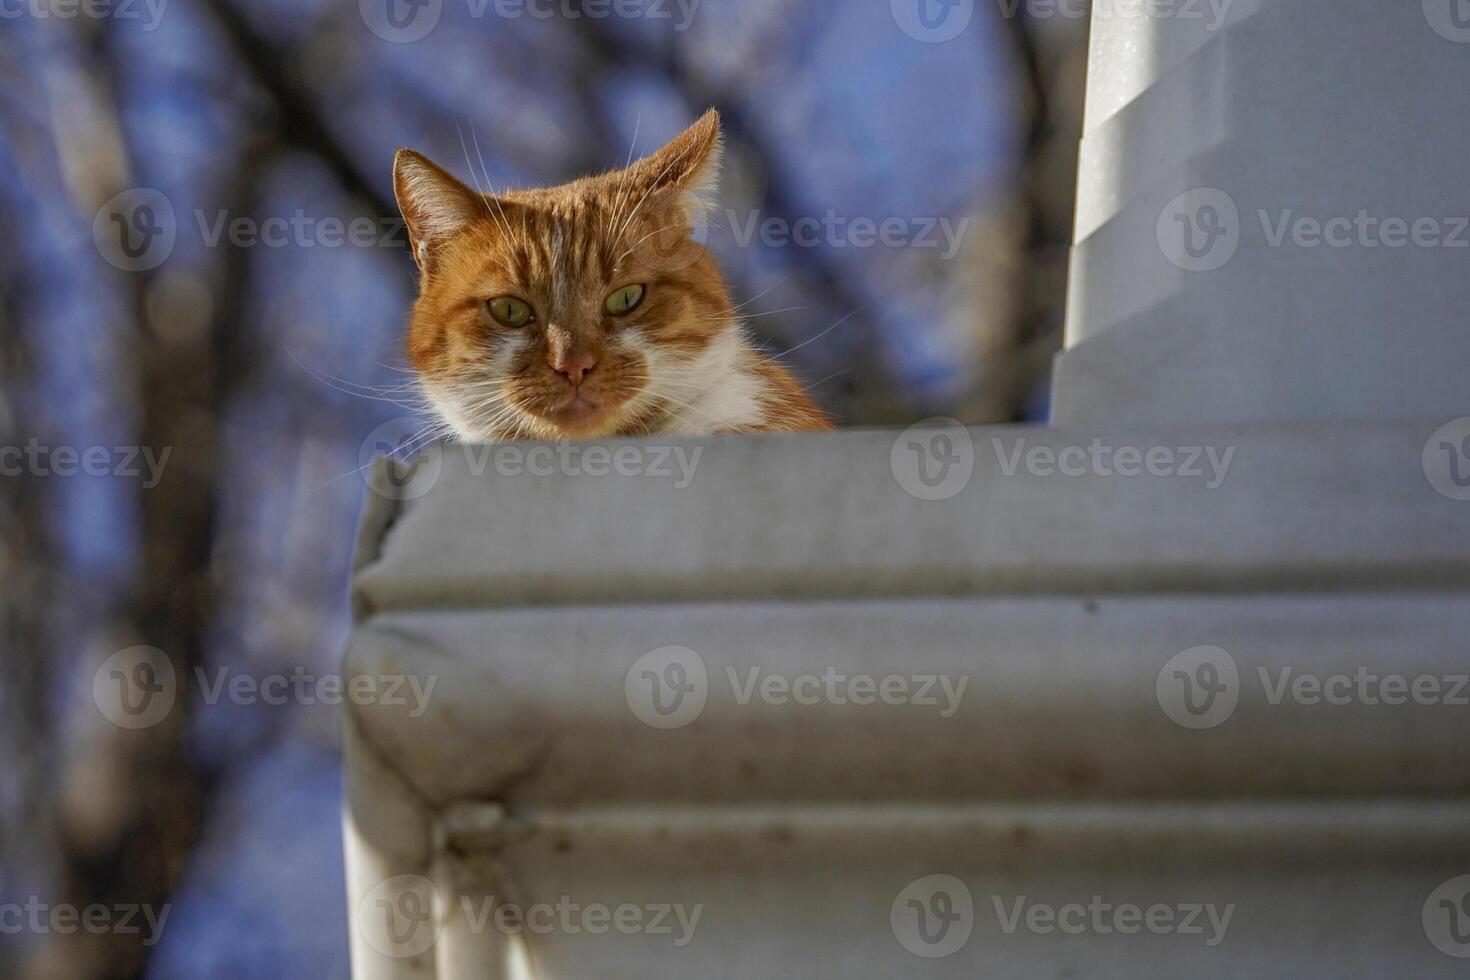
{"x": 1058, "y": 699}
{"x": 1051, "y": 760}
{"x": 1302, "y": 507}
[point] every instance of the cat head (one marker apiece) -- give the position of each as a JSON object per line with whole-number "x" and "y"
{"x": 578, "y": 311}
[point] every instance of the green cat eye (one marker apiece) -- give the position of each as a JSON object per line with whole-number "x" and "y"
{"x": 510, "y": 312}
{"x": 624, "y": 301}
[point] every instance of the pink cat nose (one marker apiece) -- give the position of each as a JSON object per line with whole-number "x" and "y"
{"x": 575, "y": 365}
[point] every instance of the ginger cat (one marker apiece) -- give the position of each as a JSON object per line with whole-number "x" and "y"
{"x": 587, "y": 310}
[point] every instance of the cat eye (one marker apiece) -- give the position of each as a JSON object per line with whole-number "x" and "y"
{"x": 510, "y": 312}
{"x": 624, "y": 301}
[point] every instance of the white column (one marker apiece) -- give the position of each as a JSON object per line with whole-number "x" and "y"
{"x": 1272, "y": 214}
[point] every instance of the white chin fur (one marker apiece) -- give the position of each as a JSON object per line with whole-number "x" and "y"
{"x": 716, "y": 391}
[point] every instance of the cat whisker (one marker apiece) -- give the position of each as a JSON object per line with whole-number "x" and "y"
{"x": 484, "y": 197}
{"x": 408, "y": 448}
{"x": 357, "y": 390}
{"x": 613, "y": 216}
{"x": 754, "y": 316}
{"x": 505, "y": 222}
{"x": 764, "y": 292}
{"x": 813, "y": 340}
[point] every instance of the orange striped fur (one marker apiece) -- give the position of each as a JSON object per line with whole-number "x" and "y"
{"x": 677, "y": 364}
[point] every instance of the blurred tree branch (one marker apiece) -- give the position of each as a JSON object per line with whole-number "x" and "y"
{"x": 126, "y": 839}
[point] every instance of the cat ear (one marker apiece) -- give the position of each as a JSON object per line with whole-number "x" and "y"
{"x": 435, "y": 205}
{"x": 688, "y": 166}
